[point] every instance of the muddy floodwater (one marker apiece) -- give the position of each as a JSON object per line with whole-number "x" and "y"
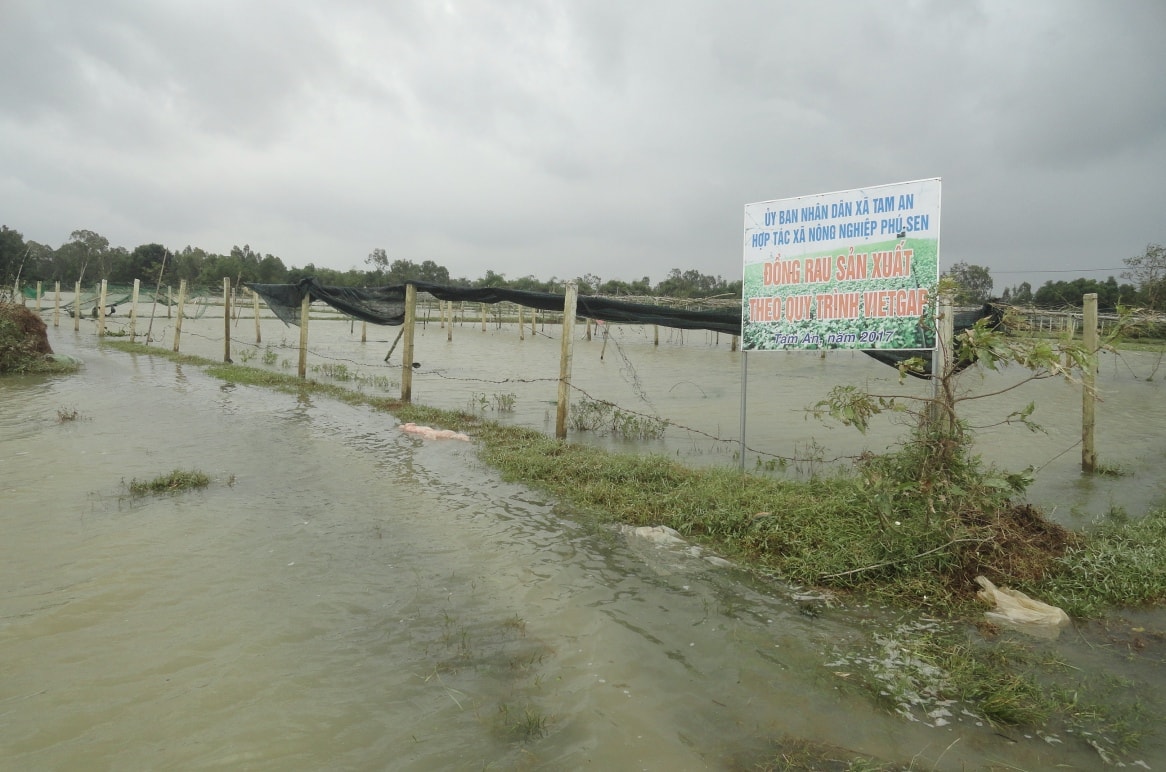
{"x": 347, "y": 596}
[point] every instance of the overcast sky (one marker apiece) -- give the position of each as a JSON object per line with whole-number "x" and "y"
{"x": 560, "y": 138}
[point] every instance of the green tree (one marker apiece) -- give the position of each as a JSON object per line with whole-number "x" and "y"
{"x": 690, "y": 284}
{"x": 492, "y": 279}
{"x": 13, "y": 252}
{"x": 145, "y": 263}
{"x": 1070, "y": 294}
{"x": 973, "y": 283}
{"x": 92, "y": 250}
{"x": 1148, "y": 272}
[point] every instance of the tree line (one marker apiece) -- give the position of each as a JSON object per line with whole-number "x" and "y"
{"x": 1146, "y": 287}
{"x": 88, "y": 256}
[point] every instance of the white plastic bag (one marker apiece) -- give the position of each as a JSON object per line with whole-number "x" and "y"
{"x": 1015, "y": 609}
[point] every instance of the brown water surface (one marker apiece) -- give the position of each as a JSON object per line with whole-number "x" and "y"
{"x": 346, "y": 596}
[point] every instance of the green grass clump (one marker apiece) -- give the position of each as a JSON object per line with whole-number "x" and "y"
{"x": 1120, "y": 564}
{"x": 175, "y": 481}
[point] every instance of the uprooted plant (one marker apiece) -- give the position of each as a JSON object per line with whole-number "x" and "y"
{"x": 936, "y": 481}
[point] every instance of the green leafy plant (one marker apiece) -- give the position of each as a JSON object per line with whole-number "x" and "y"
{"x": 175, "y": 481}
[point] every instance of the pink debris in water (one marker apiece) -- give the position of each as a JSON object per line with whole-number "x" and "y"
{"x": 429, "y": 433}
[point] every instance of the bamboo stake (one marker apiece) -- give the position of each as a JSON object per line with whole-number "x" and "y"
{"x": 400, "y": 334}
{"x": 407, "y": 352}
{"x": 1089, "y": 386}
{"x": 227, "y": 319}
{"x": 157, "y": 289}
{"x": 569, "y": 302}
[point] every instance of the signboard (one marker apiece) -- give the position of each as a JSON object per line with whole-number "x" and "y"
{"x": 856, "y": 269}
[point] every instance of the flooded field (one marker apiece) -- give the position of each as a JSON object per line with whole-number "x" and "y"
{"x": 347, "y": 596}
{"x": 693, "y": 381}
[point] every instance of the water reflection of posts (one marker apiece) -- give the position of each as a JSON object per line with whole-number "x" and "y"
{"x": 569, "y": 301}
{"x": 407, "y": 351}
{"x": 227, "y": 319}
{"x": 305, "y": 305}
{"x": 1089, "y": 383}
{"x": 181, "y": 305}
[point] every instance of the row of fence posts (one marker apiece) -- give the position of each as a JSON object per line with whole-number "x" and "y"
{"x": 945, "y": 335}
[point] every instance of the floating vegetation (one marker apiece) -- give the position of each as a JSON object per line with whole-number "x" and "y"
{"x": 65, "y": 414}
{"x": 175, "y": 481}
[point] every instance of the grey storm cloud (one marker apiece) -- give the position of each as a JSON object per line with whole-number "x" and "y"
{"x": 557, "y": 138}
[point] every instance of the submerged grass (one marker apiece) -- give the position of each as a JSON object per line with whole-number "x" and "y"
{"x": 177, "y": 480}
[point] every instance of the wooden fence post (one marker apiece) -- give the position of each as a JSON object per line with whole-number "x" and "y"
{"x": 255, "y": 311}
{"x": 77, "y": 307}
{"x": 134, "y": 310}
{"x": 227, "y": 319}
{"x": 569, "y": 302}
{"x": 101, "y": 309}
{"x": 1089, "y": 385}
{"x": 305, "y": 306}
{"x": 57, "y": 305}
{"x": 407, "y": 351}
{"x": 942, "y": 399}
{"x": 181, "y": 304}
{"x": 38, "y": 291}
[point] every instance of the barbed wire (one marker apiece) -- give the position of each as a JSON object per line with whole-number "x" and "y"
{"x": 627, "y": 369}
